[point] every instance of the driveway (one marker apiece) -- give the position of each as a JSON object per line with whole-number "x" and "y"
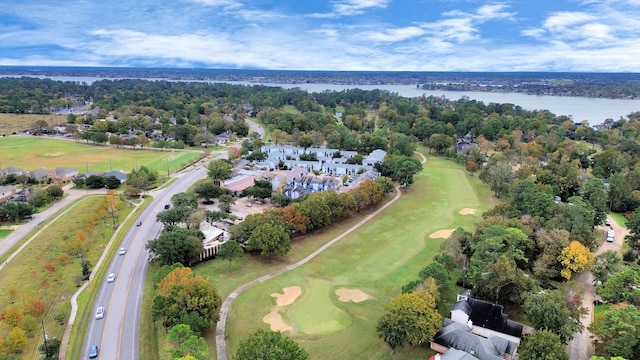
{"x": 581, "y": 347}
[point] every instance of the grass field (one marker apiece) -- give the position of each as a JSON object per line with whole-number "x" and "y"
{"x": 30, "y": 153}
{"x": 4, "y": 233}
{"x": 378, "y": 259}
{"x": 13, "y": 123}
{"x": 27, "y": 274}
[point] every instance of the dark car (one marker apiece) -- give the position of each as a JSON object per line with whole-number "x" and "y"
{"x": 139, "y": 223}
{"x": 167, "y": 206}
{"x": 93, "y": 352}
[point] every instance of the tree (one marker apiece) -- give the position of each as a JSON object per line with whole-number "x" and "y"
{"x": 440, "y": 142}
{"x": 502, "y": 281}
{"x": 595, "y": 193}
{"x": 618, "y": 332}
{"x": 225, "y": 201}
{"x": 269, "y": 240}
{"x": 305, "y": 141}
{"x": 269, "y": 345}
{"x": 219, "y": 170}
{"x": 185, "y": 343}
{"x": 280, "y": 200}
{"x": 621, "y": 286}
{"x": 542, "y": 345}
{"x": 575, "y": 258}
{"x": 207, "y": 191}
{"x": 55, "y": 192}
{"x": 234, "y": 154}
{"x": 409, "y": 319}
{"x": 496, "y": 174}
{"x": 187, "y": 200}
{"x": 170, "y": 218}
{"x": 633, "y": 224}
{"x": 438, "y": 272}
{"x": 605, "y": 265}
{"x": 177, "y": 246}
{"x": 549, "y": 311}
{"x": 230, "y": 251}
{"x": 188, "y": 299}
{"x": 16, "y": 341}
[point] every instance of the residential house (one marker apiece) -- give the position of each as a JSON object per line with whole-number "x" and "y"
{"x": 377, "y": 155}
{"x": 7, "y": 193}
{"x": 39, "y": 174}
{"x": 486, "y": 317}
{"x": 458, "y": 336}
{"x": 307, "y": 184}
{"x": 117, "y": 174}
{"x": 63, "y": 174}
{"x": 479, "y": 328}
{"x": 12, "y": 170}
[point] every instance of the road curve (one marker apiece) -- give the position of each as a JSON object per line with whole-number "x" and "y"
{"x": 221, "y": 346}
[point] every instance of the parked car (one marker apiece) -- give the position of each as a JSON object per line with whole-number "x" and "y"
{"x": 607, "y": 222}
{"x": 122, "y": 251}
{"x": 111, "y": 278}
{"x": 99, "y": 313}
{"x": 167, "y": 206}
{"x": 93, "y": 352}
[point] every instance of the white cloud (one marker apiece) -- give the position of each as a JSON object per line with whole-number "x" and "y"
{"x": 394, "y": 35}
{"x": 351, "y": 7}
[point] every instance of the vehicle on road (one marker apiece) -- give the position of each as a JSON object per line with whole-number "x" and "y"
{"x": 167, "y": 206}
{"x": 93, "y": 352}
{"x": 111, "y": 278}
{"x": 99, "y": 313}
{"x": 122, "y": 251}
{"x": 607, "y": 222}
{"x": 139, "y": 223}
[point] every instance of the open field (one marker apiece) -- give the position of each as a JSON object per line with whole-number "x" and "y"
{"x": 4, "y": 233}
{"x": 373, "y": 259}
{"x": 13, "y": 123}
{"x": 55, "y": 283}
{"x": 30, "y": 153}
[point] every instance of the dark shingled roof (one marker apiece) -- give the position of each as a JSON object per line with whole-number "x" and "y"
{"x": 488, "y": 315}
{"x": 458, "y": 336}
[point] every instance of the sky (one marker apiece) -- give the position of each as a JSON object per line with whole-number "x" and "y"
{"x": 371, "y": 35}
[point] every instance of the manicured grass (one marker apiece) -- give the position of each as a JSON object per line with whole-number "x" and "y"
{"x": 4, "y": 233}
{"x": 378, "y": 258}
{"x": 13, "y": 123}
{"x": 30, "y": 153}
{"x": 619, "y": 218}
{"x": 27, "y": 274}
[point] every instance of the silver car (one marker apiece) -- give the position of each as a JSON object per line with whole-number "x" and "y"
{"x": 99, "y": 313}
{"x": 111, "y": 278}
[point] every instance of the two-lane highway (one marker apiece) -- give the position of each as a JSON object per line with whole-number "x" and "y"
{"x": 117, "y": 333}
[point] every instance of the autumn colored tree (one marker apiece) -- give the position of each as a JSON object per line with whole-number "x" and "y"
{"x": 12, "y": 317}
{"x": 174, "y": 278}
{"x": 233, "y": 153}
{"x": 16, "y": 341}
{"x": 36, "y": 307}
{"x": 575, "y": 258}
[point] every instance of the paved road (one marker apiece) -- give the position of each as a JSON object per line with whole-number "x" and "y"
{"x": 581, "y": 347}
{"x": 255, "y": 127}
{"x": 117, "y": 334}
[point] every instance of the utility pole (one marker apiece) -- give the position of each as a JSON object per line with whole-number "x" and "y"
{"x": 44, "y": 334}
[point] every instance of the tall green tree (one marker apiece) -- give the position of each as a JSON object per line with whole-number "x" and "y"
{"x": 549, "y": 311}
{"x": 595, "y": 193}
{"x": 184, "y": 342}
{"x": 605, "y": 265}
{"x": 542, "y": 345}
{"x": 178, "y": 246}
{"x": 230, "y": 251}
{"x": 633, "y": 224}
{"x": 270, "y": 240}
{"x": 219, "y": 170}
{"x": 409, "y": 319}
{"x": 621, "y": 286}
{"x": 618, "y": 332}
{"x": 269, "y": 345}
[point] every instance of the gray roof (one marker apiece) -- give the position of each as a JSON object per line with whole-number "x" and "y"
{"x": 39, "y": 173}
{"x": 12, "y": 170}
{"x": 455, "y": 354}
{"x": 458, "y": 336}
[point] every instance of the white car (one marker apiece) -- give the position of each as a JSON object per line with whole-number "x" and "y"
{"x": 122, "y": 251}
{"x": 99, "y": 313}
{"x": 111, "y": 278}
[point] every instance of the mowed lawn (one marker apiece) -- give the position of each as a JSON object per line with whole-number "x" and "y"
{"x": 31, "y": 153}
{"x": 378, "y": 259}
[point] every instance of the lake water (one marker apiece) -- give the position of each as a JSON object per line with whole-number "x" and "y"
{"x": 594, "y": 110}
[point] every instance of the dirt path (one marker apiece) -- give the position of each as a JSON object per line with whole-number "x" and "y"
{"x": 581, "y": 347}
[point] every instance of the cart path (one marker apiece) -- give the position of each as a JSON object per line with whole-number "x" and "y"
{"x": 221, "y": 345}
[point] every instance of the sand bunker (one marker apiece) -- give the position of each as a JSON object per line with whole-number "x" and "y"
{"x": 275, "y": 321}
{"x": 354, "y": 295}
{"x": 291, "y": 293}
{"x": 442, "y": 233}
{"x": 468, "y": 211}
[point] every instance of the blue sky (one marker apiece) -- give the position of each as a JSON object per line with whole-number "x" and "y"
{"x": 389, "y": 35}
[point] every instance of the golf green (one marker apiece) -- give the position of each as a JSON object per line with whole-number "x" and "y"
{"x": 315, "y": 313}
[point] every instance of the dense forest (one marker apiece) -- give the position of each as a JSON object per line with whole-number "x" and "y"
{"x": 558, "y": 179}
